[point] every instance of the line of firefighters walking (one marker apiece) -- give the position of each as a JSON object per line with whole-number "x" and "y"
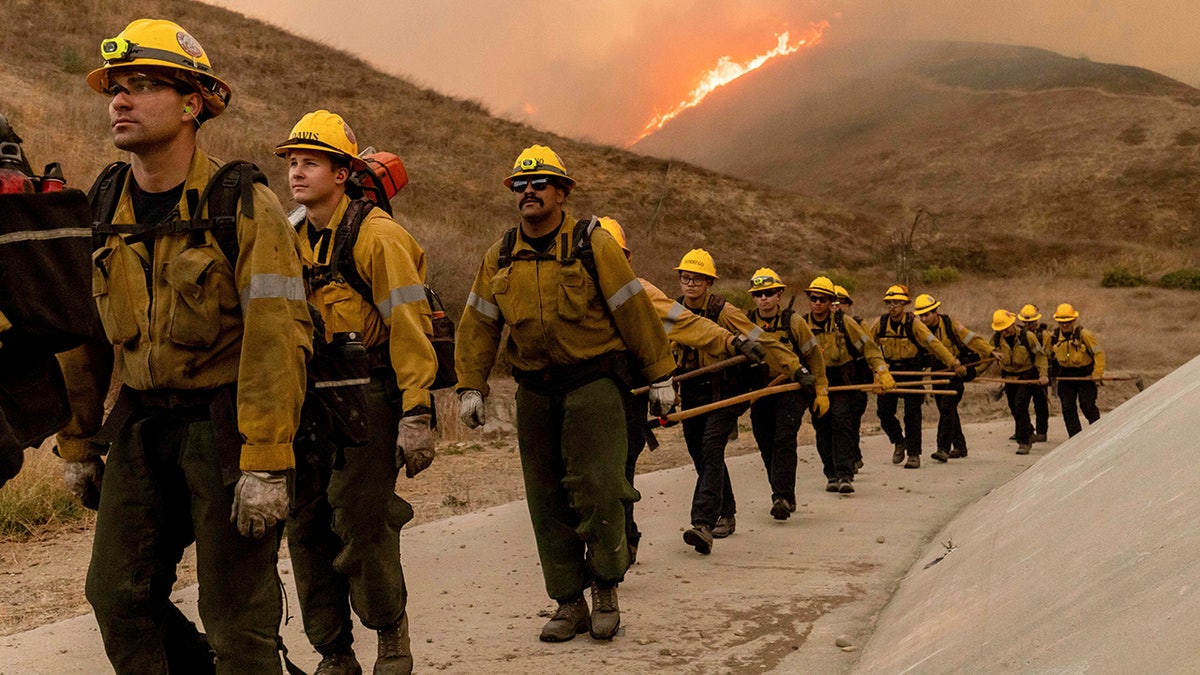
{"x": 237, "y": 417}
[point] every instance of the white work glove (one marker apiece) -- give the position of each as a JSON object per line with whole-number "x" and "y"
{"x": 260, "y": 500}
{"x": 414, "y": 444}
{"x": 470, "y": 408}
{"x": 662, "y": 397}
{"x": 83, "y": 479}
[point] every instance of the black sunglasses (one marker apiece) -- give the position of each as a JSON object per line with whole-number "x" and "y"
{"x": 766, "y": 293}
{"x": 538, "y": 184}
{"x": 820, "y": 298}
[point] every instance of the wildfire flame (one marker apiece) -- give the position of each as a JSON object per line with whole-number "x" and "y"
{"x": 727, "y": 71}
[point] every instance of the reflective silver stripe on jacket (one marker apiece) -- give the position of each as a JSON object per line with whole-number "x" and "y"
{"x": 755, "y": 334}
{"x": 673, "y": 315}
{"x": 400, "y": 296}
{"x": 483, "y": 306}
{"x": 265, "y": 286}
{"x": 342, "y": 383}
{"x": 624, "y": 293}
{"x": 808, "y": 346}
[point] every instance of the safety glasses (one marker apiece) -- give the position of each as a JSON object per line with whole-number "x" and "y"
{"x": 138, "y": 84}
{"x": 762, "y": 280}
{"x": 767, "y": 293}
{"x": 815, "y": 299}
{"x": 538, "y": 184}
{"x": 691, "y": 281}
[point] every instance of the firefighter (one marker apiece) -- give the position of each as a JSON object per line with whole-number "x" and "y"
{"x": 843, "y": 307}
{"x": 1029, "y": 317}
{"x": 1075, "y": 352}
{"x": 682, "y": 327}
{"x": 713, "y": 512}
{"x": 966, "y": 346}
{"x": 578, "y": 321}
{"x": 845, "y": 347}
{"x": 904, "y": 342}
{"x": 1021, "y": 358}
{"x": 775, "y": 419}
{"x": 211, "y": 352}
{"x": 366, "y": 276}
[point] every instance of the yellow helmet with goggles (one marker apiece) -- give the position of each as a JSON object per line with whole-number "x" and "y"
{"x": 764, "y": 279}
{"x": 539, "y": 160}
{"x": 157, "y": 43}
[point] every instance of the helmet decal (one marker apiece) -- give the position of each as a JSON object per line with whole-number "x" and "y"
{"x": 188, "y": 44}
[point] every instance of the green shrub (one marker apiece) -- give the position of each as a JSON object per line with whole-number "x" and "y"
{"x": 1120, "y": 277}
{"x": 37, "y": 498}
{"x": 1187, "y": 279}
{"x": 935, "y": 275}
{"x": 71, "y": 62}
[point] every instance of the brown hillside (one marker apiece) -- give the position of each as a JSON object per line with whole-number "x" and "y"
{"x": 1024, "y": 155}
{"x": 456, "y": 153}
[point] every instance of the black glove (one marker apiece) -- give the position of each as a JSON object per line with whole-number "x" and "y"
{"x": 750, "y": 349}
{"x": 808, "y": 383}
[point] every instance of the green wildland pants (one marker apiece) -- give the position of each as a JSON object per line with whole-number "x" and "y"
{"x": 162, "y": 490}
{"x": 345, "y": 543}
{"x": 573, "y": 451}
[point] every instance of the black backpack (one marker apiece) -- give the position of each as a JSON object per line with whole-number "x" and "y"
{"x": 580, "y": 247}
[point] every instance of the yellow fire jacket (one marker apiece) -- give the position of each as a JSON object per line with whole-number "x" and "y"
{"x": 973, "y": 341}
{"x": 806, "y": 344}
{"x": 392, "y": 263}
{"x": 183, "y": 319}
{"x": 689, "y": 329}
{"x": 555, "y": 314}
{"x": 1024, "y": 353}
{"x": 833, "y": 342}
{"x": 892, "y": 338}
{"x": 781, "y": 359}
{"x": 1077, "y": 349}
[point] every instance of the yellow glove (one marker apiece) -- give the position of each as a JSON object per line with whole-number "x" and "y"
{"x": 821, "y": 403}
{"x": 886, "y": 381}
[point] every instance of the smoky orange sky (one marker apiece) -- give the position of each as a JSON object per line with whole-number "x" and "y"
{"x": 601, "y": 70}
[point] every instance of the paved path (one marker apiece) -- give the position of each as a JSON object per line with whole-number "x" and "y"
{"x": 771, "y": 598}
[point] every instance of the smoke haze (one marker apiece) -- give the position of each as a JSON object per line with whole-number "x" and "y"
{"x": 601, "y": 70}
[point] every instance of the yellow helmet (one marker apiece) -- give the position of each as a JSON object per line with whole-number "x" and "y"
{"x": 1029, "y": 313}
{"x": 1065, "y": 313}
{"x": 324, "y": 131}
{"x": 539, "y": 160}
{"x": 843, "y": 295}
{"x": 614, "y": 228}
{"x": 925, "y": 304}
{"x": 699, "y": 261}
{"x": 896, "y": 292}
{"x": 163, "y": 44}
{"x": 1002, "y": 318}
{"x": 764, "y": 279}
{"x": 822, "y": 285}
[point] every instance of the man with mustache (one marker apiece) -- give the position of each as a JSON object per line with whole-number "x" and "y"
{"x": 578, "y": 321}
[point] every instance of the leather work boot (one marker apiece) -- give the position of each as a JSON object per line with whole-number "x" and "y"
{"x": 570, "y": 620}
{"x": 343, "y": 663}
{"x": 606, "y": 616}
{"x": 941, "y": 456}
{"x": 914, "y": 462}
{"x": 1024, "y": 448}
{"x": 395, "y": 654}
{"x": 958, "y": 452}
{"x": 781, "y": 509}
{"x": 830, "y": 486}
{"x": 1039, "y": 438}
{"x": 724, "y": 527}
{"x": 898, "y": 453}
{"x": 699, "y": 537}
{"x": 845, "y": 486}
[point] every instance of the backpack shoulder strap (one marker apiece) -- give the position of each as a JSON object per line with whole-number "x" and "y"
{"x": 506, "y": 247}
{"x": 786, "y": 320}
{"x": 233, "y": 183}
{"x": 103, "y": 197}
{"x": 341, "y": 258}
{"x": 581, "y": 246}
{"x": 715, "y": 304}
{"x": 839, "y": 320}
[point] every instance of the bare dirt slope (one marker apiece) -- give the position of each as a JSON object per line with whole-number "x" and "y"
{"x": 774, "y": 596}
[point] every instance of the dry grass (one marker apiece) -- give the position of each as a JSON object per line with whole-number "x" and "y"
{"x": 36, "y": 501}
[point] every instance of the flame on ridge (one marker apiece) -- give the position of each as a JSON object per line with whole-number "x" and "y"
{"x": 727, "y": 71}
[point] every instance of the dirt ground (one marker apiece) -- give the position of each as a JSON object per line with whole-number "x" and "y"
{"x": 41, "y": 581}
